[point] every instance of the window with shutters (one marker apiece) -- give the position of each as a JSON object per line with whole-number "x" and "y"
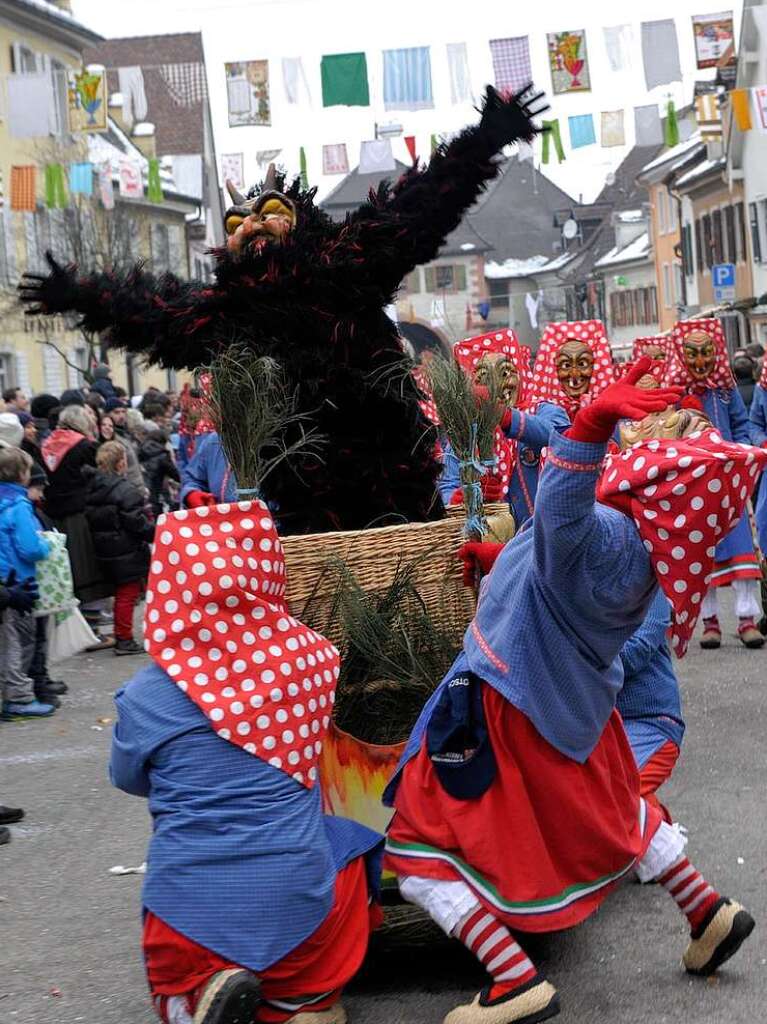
{"x": 729, "y": 230}
{"x": 60, "y": 111}
{"x": 446, "y": 277}
{"x": 413, "y": 282}
{"x": 614, "y": 309}
{"x": 708, "y": 255}
{"x": 740, "y": 229}
{"x": 667, "y": 296}
{"x": 160, "y": 245}
{"x": 699, "y": 245}
{"x": 756, "y": 241}
{"x": 7, "y": 370}
{"x": 717, "y": 237}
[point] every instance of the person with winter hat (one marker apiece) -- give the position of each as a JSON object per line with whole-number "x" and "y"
{"x": 121, "y": 533}
{"x": 41, "y": 407}
{"x": 257, "y": 906}
{"x": 517, "y": 800}
{"x": 11, "y": 430}
{"x": 523, "y": 432}
{"x": 102, "y": 382}
{"x": 698, "y": 362}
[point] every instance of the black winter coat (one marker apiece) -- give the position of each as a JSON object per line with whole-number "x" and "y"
{"x": 65, "y": 493}
{"x": 119, "y": 526}
{"x": 156, "y": 465}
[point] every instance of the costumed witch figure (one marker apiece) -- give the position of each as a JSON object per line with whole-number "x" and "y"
{"x": 524, "y": 429}
{"x": 757, "y": 428}
{"x": 573, "y": 366}
{"x": 655, "y": 346}
{"x": 257, "y": 907}
{"x": 698, "y": 363}
{"x": 517, "y": 799}
{"x": 292, "y": 284}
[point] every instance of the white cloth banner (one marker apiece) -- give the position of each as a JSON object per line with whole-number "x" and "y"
{"x": 131, "y": 82}
{"x": 334, "y": 159}
{"x": 187, "y": 174}
{"x": 376, "y": 156}
{"x": 294, "y": 80}
{"x": 759, "y": 96}
{"x": 619, "y": 43}
{"x": 30, "y": 106}
{"x": 106, "y": 186}
{"x": 131, "y": 185}
{"x": 460, "y": 76}
{"x": 232, "y": 169}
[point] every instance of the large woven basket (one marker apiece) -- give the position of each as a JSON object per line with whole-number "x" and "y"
{"x": 374, "y": 556}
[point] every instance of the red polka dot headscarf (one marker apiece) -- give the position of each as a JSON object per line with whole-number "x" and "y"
{"x": 641, "y": 345}
{"x": 677, "y": 372}
{"x": 684, "y": 495}
{"x": 763, "y": 375}
{"x": 216, "y": 621}
{"x": 546, "y": 386}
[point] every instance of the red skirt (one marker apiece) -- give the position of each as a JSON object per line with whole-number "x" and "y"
{"x": 546, "y": 842}
{"x": 326, "y": 961}
{"x": 655, "y": 772}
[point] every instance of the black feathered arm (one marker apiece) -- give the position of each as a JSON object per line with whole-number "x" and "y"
{"x": 169, "y": 321}
{"x": 403, "y": 226}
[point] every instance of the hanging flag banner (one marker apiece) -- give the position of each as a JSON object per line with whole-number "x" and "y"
{"x": 671, "y": 126}
{"x": 460, "y": 76}
{"x": 106, "y": 186}
{"x": 552, "y": 139}
{"x": 709, "y": 117}
{"x": 87, "y": 99}
{"x": 613, "y": 130}
{"x": 81, "y": 179}
{"x": 247, "y": 93}
{"x": 568, "y": 61}
{"x": 131, "y": 186}
{"x": 619, "y": 43}
{"x": 55, "y": 192}
{"x": 345, "y": 80}
{"x": 232, "y": 169}
{"x": 376, "y": 157}
{"x": 511, "y": 64}
{"x": 29, "y": 105}
{"x": 407, "y": 79}
{"x": 660, "y": 53}
{"x": 581, "y": 130}
{"x": 714, "y": 38}
{"x": 335, "y": 159}
{"x": 410, "y": 143}
{"x": 23, "y": 187}
{"x": 760, "y": 104}
{"x": 294, "y": 81}
{"x": 264, "y": 157}
{"x": 740, "y": 100}
{"x": 153, "y": 184}
{"x": 186, "y": 82}
{"x": 647, "y": 125}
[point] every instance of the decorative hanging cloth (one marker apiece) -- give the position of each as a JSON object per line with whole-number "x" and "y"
{"x": 196, "y": 416}
{"x": 641, "y": 345}
{"x": 505, "y": 343}
{"x": 683, "y": 496}
{"x": 677, "y": 372}
{"x": 546, "y": 385}
{"x": 216, "y": 621}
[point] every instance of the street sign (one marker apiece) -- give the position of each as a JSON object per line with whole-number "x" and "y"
{"x": 723, "y": 277}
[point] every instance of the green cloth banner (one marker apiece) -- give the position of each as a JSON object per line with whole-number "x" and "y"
{"x": 153, "y": 186}
{"x": 671, "y": 127}
{"x": 302, "y": 168}
{"x": 345, "y": 80}
{"x": 551, "y": 134}
{"x": 55, "y": 192}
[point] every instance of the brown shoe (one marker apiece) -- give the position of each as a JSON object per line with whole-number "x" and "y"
{"x": 230, "y": 997}
{"x": 536, "y": 1001}
{"x": 749, "y": 635}
{"x": 712, "y": 634}
{"x": 721, "y": 935}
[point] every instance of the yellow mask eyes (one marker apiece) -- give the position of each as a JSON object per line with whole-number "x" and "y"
{"x": 232, "y": 223}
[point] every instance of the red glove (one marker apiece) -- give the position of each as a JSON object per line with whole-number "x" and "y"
{"x": 622, "y": 400}
{"x": 477, "y": 556}
{"x": 492, "y": 488}
{"x": 199, "y": 499}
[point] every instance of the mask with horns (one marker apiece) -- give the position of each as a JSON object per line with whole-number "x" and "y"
{"x": 260, "y": 220}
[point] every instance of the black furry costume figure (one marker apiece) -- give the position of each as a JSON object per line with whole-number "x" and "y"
{"x": 315, "y": 302}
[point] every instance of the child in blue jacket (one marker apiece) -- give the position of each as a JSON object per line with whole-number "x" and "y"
{"x": 21, "y": 547}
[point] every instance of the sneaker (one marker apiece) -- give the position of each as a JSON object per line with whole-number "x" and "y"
{"x": 127, "y": 647}
{"x": 712, "y": 634}
{"x": 721, "y": 934}
{"x": 230, "y": 997}
{"x": 5, "y": 835}
{"x": 10, "y": 815}
{"x": 104, "y": 644}
{"x": 32, "y": 710}
{"x": 535, "y": 1001}
{"x": 749, "y": 635}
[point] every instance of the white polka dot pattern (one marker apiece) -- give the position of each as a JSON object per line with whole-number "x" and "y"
{"x": 546, "y": 386}
{"x": 641, "y": 345}
{"x": 677, "y": 373}
{"x": 683, "y": 498}
{"x": 217, "y": 622}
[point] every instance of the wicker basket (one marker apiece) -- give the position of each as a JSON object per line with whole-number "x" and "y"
{"x": 374, "y": 557}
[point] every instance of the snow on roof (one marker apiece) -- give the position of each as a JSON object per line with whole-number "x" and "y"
{"x": 701, "y": 169}
{"x": 54, "y": 11}
{"x": 674, "y": 154}
{"x": 526, "y": 268}
{"x": 630, "y": 216}
{"x": 636, "y": 250}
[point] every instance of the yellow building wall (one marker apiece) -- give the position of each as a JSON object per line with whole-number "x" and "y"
{"x": 665, "y": 238}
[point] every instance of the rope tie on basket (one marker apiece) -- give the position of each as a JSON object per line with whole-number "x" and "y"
{"x": 245, "y": 492}
{"x": 472, "y": 491}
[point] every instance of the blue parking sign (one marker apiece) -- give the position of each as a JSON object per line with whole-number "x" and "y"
{"x": 723, "y": 278}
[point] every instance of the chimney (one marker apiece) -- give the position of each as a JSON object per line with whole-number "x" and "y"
{"x": 143, "y": 137}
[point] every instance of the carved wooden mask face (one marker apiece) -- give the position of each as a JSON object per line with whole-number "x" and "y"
{"x": 654, "y": 352}
{"x": 699, "y": 354}
{"x": 495, "y": 365}
{"x": 667, "y": 425}
{"x": 575, "y": 366}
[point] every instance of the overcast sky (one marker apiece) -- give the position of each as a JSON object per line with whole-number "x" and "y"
{"x": 257, "y": 29}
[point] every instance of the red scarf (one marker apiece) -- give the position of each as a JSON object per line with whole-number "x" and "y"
{"x": 216, "y": 621}
{"x": 545, "y": 380}
{"x": 677, "y": 372}
{"x": 684, "y": 496}
{"x": 57, "y": 444}
{"x": 763, "y": 377}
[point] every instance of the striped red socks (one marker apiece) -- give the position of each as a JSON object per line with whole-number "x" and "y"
{"x": 494, "y": 946}
{"x": 692, "y": 893}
